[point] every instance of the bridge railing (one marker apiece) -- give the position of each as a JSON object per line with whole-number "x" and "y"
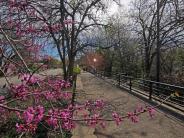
{"x": 151, "y": 89}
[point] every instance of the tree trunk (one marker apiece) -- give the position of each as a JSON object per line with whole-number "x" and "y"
{"x": 71, "y": 66}
{"x": 147, "y": 62}
{"x": 64, "y": 71}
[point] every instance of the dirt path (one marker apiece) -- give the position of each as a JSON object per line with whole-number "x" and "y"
{"x": 159, "y": 127}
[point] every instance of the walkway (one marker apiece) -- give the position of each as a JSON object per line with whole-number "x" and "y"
{"x": 159, "y": 127}
{"x": 14, "y": 79}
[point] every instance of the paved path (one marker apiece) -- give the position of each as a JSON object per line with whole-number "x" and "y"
{"x": 14, "y": 79}
{"x": 159, "y": 127}
{"x": 81, "y": 130}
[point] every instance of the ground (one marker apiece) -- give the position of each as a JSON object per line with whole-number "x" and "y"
{"x": 121, "y": 101}
{"x": 14, "y": 79}
{"x": 161, "y": 126}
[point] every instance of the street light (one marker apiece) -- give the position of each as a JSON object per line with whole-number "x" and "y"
{"x": 94, "y": 60}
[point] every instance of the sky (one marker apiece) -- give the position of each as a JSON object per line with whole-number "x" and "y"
{"x": 112, "y": 10}
{"x": 114, "y": 7}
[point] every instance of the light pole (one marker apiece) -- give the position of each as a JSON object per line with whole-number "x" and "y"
{"x": 94, "y": 60}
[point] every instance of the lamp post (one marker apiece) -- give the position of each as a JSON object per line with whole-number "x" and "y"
{"x": 94, "y": 60}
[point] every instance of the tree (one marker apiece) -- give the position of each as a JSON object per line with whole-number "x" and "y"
{"x": 143, "y": 14}
{"x": 61, "y": 22}
{"x": 118, "y": 46}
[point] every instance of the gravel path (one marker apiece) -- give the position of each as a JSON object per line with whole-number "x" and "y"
{"x": 158, "y": 127}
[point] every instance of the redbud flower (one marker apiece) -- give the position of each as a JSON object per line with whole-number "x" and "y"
{"x": 93, "y": 120}
{"x": 52, "y": 121}
{"x": 20, "y": 127}
{"x": 117, "y": 118}
{"x": 39, "y": 113}
{"x": 103, "y": 124}
{"x": 151, "y": 112}
{"x": 28, "y": 115}
{"x": 20, "y": 91}
{"x": 133, "y": 117}
{"x": 27, "y": 78}
{"x": 2, "y": 98}
{"x": 99, "y": 104}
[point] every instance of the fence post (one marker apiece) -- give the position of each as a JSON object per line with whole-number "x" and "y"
{"x": 151, "y": 90}
{"x": 130, "y": 84}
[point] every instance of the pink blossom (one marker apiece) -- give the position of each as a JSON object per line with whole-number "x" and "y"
{"x": 79, "y": 107}
{"x": 33, "y": 114}
{"x": 26, "y": 128}
{"x": 66, "y": 115}
{"x": 59, "y": 84}
{"x": 52, "y": 121}
{"x": 88, "y": 104}
{"x": 28, "y": 115}
{"x": 39, "y": 113}
{"x": 49, "y": 95}
{"x": 20, "y": 128}
{"x": 27, "y": 78}
{"x": 117, "y": 118}
{"x": 2, "y": 98}
{"x": 67, "y": 84}
{"x": 20, "y": 91}
{"x": 151, "y": 111}
{"x": 133, "y": 117}
{"x": 67, "y": 96}
{"x": 93, "y": 120}
{"x": 139, "y": 109}
{"x": 68, "y": 125}
{"x": 99, "y": 104}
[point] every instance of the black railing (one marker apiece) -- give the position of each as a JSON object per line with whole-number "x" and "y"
{"x": 151, "y": 89}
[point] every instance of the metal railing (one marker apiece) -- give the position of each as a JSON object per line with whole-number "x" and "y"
{"x": 151, "y": 89}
